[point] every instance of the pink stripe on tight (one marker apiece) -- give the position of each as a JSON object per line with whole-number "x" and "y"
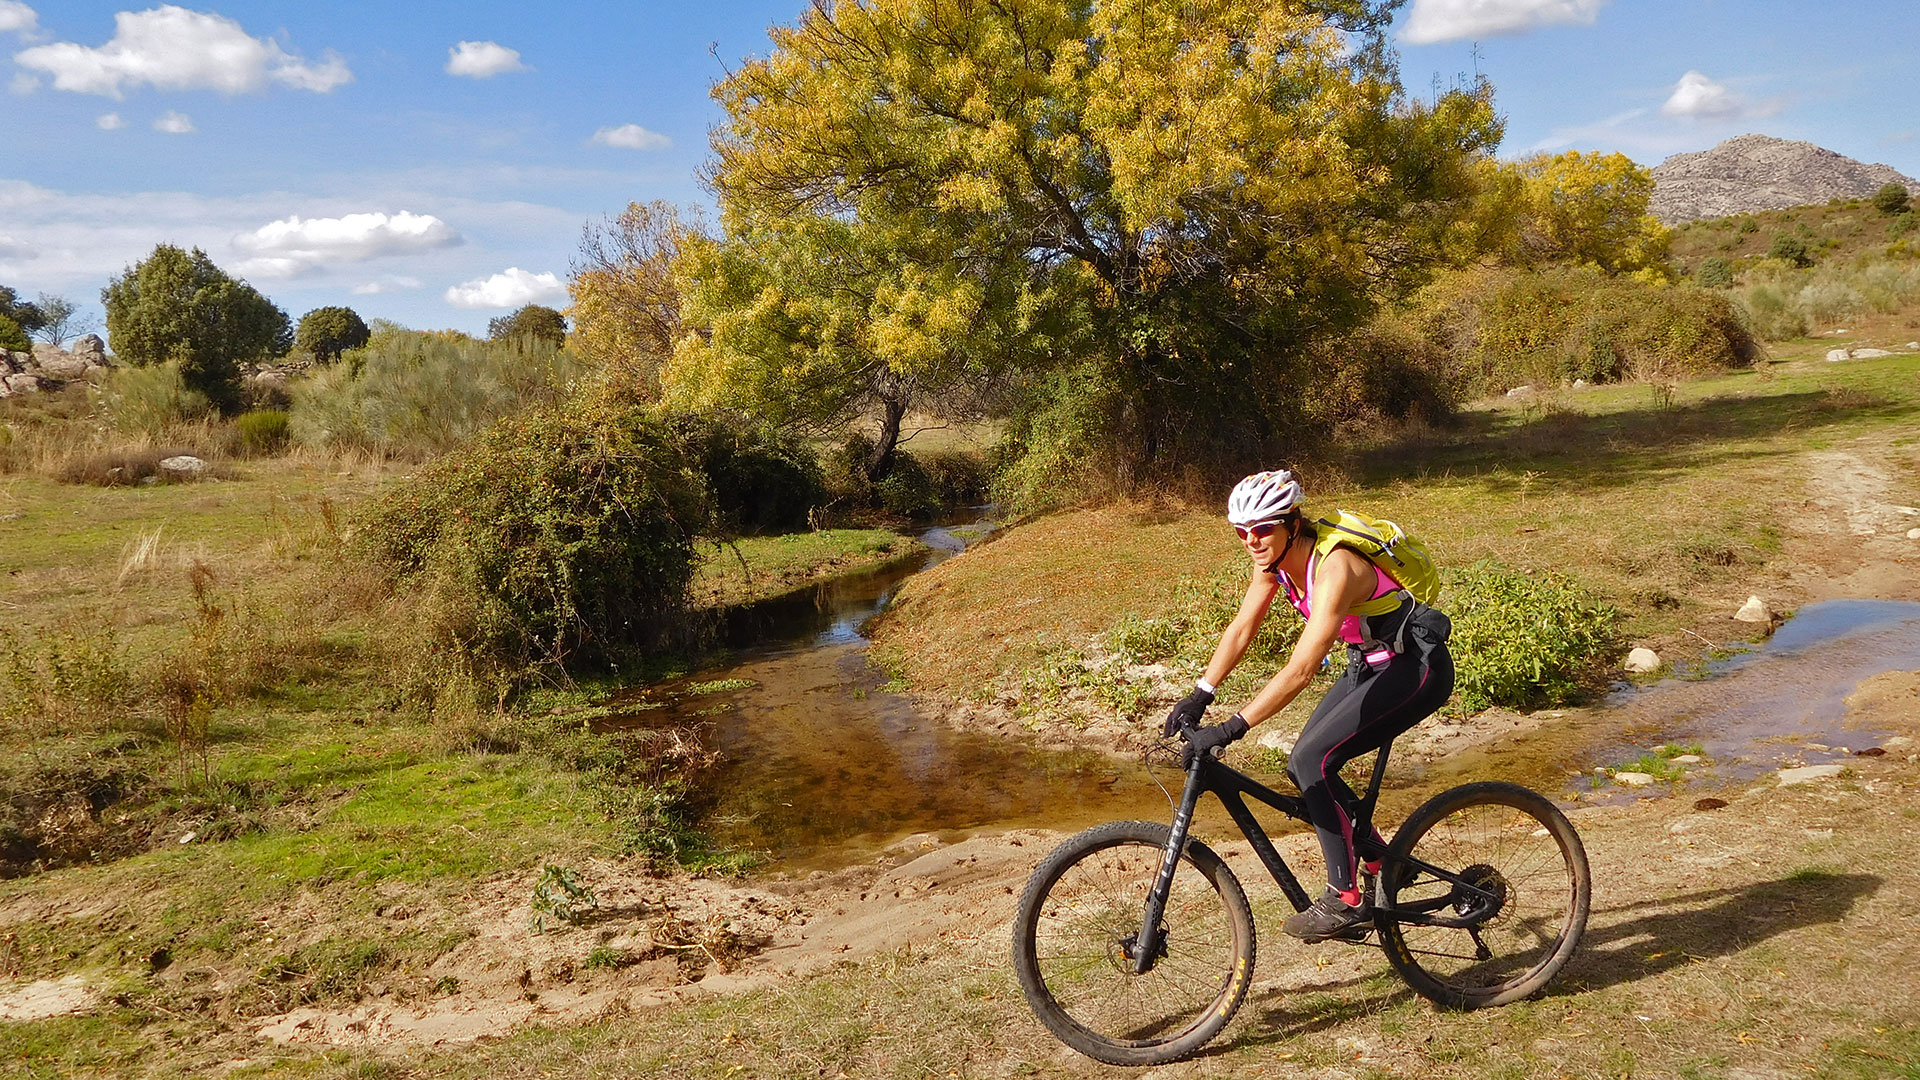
{"x": 1346, "y": 823}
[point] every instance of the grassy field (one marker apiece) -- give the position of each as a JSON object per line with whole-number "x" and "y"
{"x": 205, "y": 746}
{"x": 316, "y": 843}
{"x": 1671, "y": 507}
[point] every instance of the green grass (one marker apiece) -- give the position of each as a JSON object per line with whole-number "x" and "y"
{"x": 756, "y": 567}
{"x": 1659, "y": 764}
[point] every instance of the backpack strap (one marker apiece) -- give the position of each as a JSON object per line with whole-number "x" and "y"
{"x": 1385, "y": 546}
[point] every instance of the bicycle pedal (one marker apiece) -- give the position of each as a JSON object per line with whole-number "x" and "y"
{"x": 1355, "y": 934}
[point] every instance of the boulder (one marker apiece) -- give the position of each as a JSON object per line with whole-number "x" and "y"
{"x": 184, "y": 465}
{"x": 11, "y": 361}
{"x": 1807, "y": 774}
{"x": 1913, "y": 534}
{"x": 57, "y": 364}
{"x": 270, "y": 377}
{"x": 1521, "y": 391}
{"x": 91, "y": 349}
{"x": 1579, "y": 384}
{"x": 1633, "y": 779}
{"x": 21, "y": 384}
{"x": 1687, "y": 759}
{"x": 1834, "y": 356}
{"x": 1642, "y": 660}
{"x": 1755, "y": 610}
{"x": 1870, "y": 354}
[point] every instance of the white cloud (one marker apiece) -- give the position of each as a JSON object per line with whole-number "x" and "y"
{"x": 173, "y": 123}
{"x": 1451, "y": 20}
{"x": 374, "y": 288}
{"x": 171, "y": 48}
{"x": 482, "y": 60}
{"x": 14, "y": 249}
{"x": 18, "y": 18}
{"x": 295, "y": 245}
{"x": 631, "y": 137}
{"x": 1699, "y": 98}
{"x": 511, "y": 288}
{"x": 109, "y": 122}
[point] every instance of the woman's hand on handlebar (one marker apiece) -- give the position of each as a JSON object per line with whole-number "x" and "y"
{"x": 1189, "y": 712}
{"x": 1212, "y": 739}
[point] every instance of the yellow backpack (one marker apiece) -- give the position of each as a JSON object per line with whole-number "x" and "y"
{"x": 1387, "y": 546}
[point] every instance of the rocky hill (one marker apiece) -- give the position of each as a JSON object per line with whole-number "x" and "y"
{"x": 1749, "y": 173}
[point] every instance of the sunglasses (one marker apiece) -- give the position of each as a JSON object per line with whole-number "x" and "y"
{"x": 1260, "y": 531}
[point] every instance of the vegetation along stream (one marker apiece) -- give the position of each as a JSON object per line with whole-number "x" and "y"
{"x": 824, "y": 766}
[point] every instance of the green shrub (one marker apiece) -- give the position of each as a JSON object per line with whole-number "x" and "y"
{"x": 959, "y": 477}
{"x": 1789, "y": 249}
{"x": 1499, "y": 328}
{"x": 758, "y": 481}
{"x": 418, "y": 394}
{"x": 1714, "y": 273}
{"x": 1891, "y": 199}
{"x": 562, "y": 533}
{"x": 149, "y": 400}
{"x": 1056, "y": 450}
{"x": 262, "y": 431}
{"x": 1524, "y": 639}
{"x": 906, "y": 490}
{"x": 1902, "y": 225}
{"x": 13, "y": 337}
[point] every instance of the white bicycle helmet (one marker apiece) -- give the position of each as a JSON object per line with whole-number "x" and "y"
{"x": 1264, "y": 496}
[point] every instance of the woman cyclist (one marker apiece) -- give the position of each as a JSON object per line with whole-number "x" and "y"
{"x": 1394, "y": 678}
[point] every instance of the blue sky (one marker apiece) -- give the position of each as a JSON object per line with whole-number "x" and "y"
{"x": 359, "y": 153}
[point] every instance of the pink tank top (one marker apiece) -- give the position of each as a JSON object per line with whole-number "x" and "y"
{"x": 1302, "y": 597}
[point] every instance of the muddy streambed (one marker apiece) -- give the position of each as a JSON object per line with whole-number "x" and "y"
{"x": 824, "y": 766}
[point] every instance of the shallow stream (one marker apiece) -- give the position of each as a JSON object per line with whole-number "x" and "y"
{"x": 824, "y": 767}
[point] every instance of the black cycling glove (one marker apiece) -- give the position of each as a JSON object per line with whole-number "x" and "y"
{"x": 1187, "y": 714}
{"x": 1213, "y": 739}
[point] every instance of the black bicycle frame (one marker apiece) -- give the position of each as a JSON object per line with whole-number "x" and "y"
{"x": 1232, "y": 786}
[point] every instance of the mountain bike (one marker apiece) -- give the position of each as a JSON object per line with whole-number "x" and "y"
{"x": 1134, "y": 942}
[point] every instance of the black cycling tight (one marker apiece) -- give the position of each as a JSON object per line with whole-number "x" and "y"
{"x": 1364, "y": 711}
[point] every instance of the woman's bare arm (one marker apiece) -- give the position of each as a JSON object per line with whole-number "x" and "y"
{"x": 1238, "y": 636}
{"x": 1344, "y": 579}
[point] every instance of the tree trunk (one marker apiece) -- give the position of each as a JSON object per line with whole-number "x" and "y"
{"x": 881, "y": 463}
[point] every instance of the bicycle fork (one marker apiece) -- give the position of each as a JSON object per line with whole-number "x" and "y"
{"x": 1149, "y": 942}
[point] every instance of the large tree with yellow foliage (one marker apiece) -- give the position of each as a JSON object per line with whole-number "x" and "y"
{"x": 1169, "y": 197}
{"x": 1585, "y": 209}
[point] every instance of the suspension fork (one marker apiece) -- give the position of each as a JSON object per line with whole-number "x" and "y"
{"x": 1148, "y": 942}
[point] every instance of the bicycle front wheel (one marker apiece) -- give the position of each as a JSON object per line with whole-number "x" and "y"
{"x": 1074, "y": 941}
{"x": 1526, "y": 910}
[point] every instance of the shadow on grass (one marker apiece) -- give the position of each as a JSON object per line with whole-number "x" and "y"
{"x": 1719, "y": 922}
{"x": 1620, "y": 947}
{"x": 1600, "y": 451}
{"x": 1283, "y": 1013}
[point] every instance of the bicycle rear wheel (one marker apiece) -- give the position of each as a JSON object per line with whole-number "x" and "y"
{"x": 1074, "y": 935}
{"x": 1527, "y": 861}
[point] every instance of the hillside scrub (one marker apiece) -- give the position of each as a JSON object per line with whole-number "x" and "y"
{"x": 413, "y": 394}
{"x": 1786, "y": 302}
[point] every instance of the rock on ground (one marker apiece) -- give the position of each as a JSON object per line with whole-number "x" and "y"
{"x": 1642, "y": 660}
{"x": 1807, "y": 774}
